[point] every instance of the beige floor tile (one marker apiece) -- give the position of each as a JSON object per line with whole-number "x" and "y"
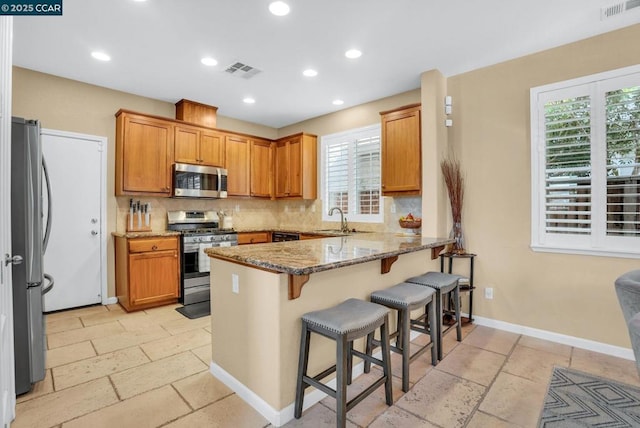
{"x": 396, "y": 417}
{"x": 229, "y": 412}
{"x": 64, "y": 338}
{"x": 115, "y": 307}
{"x": 171, "y": 345}
{"x": 39, "y": 389}
{"x": 179, "y": 326}
{"x": 136, "y": 321}
{"x": 96, "y": 367}
{"x": 317, "y": 416}
{"x": 605, "y": 365}
{"x": 55, "y": 408}
{"x": 372, "y": 406}
{"x": 515, "y": 399}
{"x": 482, "y": 420}
{"x": 449, "y": 343}
{"x": 417, "y": 369}
{"x": 62, "y": 324}
{"x": 156, "y": 373}
{"x": 545, "y": 345}
{"x": 491, "y": 339}
{"x": 68, "y": 354}
{"x": 103, "y": 317}
{"x": 167, "y": 312}
{"x": 471, "y": 363}
{"x": 534, "y": 364}
{"x": 442, "y": 399}
{"x": 54, "y": 316}
{"x": 151, "y": 409}
{"x": 204, "y": 353}
{"x": 126, "y": 339}
{"x": 201, "y": 389}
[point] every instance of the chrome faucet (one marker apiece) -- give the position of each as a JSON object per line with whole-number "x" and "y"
{"x": 344, "y": 226}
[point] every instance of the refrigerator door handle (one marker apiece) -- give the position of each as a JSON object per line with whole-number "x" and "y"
{"x": 48, "y": 288}
{"x": 47, "y": 231}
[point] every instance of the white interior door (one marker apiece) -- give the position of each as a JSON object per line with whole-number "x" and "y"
{"x": 7, "y": 382}
{"x": 76, "y": 250}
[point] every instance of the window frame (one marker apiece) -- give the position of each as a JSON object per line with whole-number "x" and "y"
{"x": 355, "y": 134}
{"x": 597, "y": 242}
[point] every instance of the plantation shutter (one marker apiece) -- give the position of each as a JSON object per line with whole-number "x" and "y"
{"x": 568, "y": 166}
{"x": 623, "y": 161}
{"x": 367, "y": 175}
{"x": 337, "y": 173}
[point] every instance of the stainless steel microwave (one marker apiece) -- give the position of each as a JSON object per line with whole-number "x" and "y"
{"x": 197, "y": 181}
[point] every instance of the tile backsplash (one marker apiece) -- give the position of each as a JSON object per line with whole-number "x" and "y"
{"x": 260, "y": 214}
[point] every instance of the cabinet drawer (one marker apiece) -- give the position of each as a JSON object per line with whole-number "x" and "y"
{"x": 152, "y": 244}
{"x": 253, "y": 237}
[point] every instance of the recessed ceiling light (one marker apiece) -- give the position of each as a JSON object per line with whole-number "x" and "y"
{"x": 249, "y": 100}
{"x": 338, "y": 102}
{"x": 279, "y": 8}
{"x": 310, "y": 73}
{"x": 209, "y": 61}
{"x": 353, "y": 53}
{"x": 101, "y": 56}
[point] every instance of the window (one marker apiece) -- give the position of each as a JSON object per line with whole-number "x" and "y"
{"x": 585, "y": 151}
{"x": 351, "y": 174}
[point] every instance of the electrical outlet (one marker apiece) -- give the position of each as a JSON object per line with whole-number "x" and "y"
{"x": 235, "y": 283}
{"x": 488, "y": 293}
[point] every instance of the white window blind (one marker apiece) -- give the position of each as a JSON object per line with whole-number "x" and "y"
{"x": 586, "y": 165}
{"x": 351, "y": 174}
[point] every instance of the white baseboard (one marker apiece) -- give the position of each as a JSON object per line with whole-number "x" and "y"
{"x": 110, "y": 301}
{"x": 590, "y": 345}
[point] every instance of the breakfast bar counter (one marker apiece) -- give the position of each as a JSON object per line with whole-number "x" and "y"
{"x": 257, "y": 302}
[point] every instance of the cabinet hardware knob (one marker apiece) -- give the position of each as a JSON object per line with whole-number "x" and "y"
{"x": 155, "y": 247}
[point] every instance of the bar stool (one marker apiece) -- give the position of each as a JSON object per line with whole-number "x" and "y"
{"x": 344, "y": 323}
{"x": 404, "y": 298}
{"x": 443, "y": 283}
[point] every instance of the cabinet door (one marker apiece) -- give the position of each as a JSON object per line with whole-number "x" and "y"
{"x": 212, "y": 148}
{"x": 153, "y": 277}
{"x": 401, "y": 155}
{"x": 261, "y": 169}
{"x": 282, "y": 169}
{"x": 237, "y": 164}
{"x": 186, "y": 145}
{"x": 295, "y": 167}
{"x": 144, "y": 153}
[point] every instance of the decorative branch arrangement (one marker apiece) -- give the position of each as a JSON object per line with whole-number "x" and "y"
{"x": 455, "y": 187}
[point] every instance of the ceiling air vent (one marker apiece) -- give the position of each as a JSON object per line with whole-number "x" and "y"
{"x": 242, "y": 70}
{"x": 618, "y": 8}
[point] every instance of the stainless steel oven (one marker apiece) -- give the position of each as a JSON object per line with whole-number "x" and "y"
{"x": 199, "y": 231}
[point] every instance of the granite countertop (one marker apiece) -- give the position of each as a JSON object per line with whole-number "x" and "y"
{"x": 152, "y": 234}
{"x": 317, "y": 255}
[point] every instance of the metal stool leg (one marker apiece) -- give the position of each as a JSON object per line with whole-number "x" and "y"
{"x": 406, "y": 348}
{"x": 433, "y": 332}
{"x": 341, "y": 381}
{"x": 456, "y": 296}
{"x": 303, "y": 361}
{"x": 438, "y": 322}
{"x": 386, "y": 360}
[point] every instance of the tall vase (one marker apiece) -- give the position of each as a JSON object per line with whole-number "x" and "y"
{"x": 456, "y": 233}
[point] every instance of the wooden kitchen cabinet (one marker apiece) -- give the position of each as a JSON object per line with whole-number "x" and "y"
{"x": 198, "y": 146}
{"x": 401, "y": 151}
{"x": 237, "y": 162}
{"x": 261, "y": 177}
{"x": 147, "y": 271}
{"x": 296, "y": 167}
{"x": 144, "y": 154}
{"x": 253, "y": 237}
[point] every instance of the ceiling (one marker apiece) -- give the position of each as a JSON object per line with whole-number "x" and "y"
{"x": 156, "y": 46}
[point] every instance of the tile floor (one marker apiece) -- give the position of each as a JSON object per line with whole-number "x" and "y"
{"x": 108, "y": 368}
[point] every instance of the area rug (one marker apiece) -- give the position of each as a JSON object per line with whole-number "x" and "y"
{"x": 577, "y": 399}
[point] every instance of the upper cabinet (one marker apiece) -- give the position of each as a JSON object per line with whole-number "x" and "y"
{"x": 144, "y": 155}
{"x": 401, "y": 151}
{"x": 197, "y": 113}
{"x": 261, "y": 180}
{"x": 237, "y": 163}
{"x": 198, "y": 146}
{"x": 296, "y": 167}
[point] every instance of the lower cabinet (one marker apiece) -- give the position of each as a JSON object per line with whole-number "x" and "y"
{"x": 253, "y": 237}
{"x": 147, "y": 271}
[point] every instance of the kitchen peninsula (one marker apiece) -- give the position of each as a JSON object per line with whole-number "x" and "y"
{"x": 257, "y": 300}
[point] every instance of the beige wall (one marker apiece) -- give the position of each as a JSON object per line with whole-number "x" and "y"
{"x": 568, "y": 294}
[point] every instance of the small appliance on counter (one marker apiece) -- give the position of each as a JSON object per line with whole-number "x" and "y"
{"x": 199, "y": 230}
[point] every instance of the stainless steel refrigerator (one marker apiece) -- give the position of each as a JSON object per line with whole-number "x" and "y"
{"x": 28, "y": 241}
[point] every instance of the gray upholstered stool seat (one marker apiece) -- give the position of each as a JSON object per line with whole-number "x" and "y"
{"x": 350, "y": 320}
{"x": 443, "y": 283}
{"x": 404, "y": 298}
{"x": 628, "y": 291}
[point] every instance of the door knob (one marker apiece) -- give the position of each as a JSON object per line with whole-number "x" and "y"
{"x": 94, "y": 232}
{"x": 15, "y": 260}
